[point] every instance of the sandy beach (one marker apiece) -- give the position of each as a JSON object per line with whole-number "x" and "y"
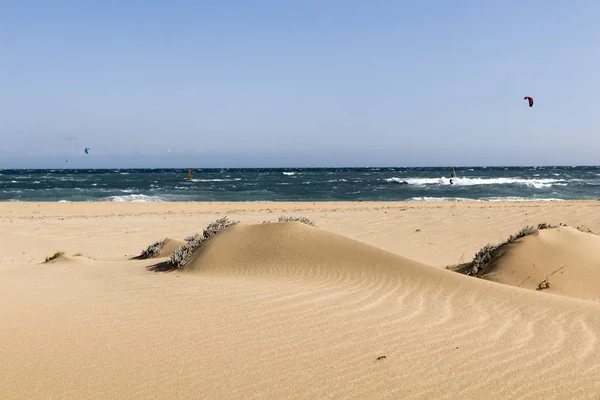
{"x": 365, "y": 304}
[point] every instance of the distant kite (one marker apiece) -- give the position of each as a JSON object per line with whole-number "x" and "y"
{"x": 87, "y": 150}
{"x": 530, "y": 100}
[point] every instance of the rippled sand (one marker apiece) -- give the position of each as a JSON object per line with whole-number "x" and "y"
{"x": 359, "y": 306}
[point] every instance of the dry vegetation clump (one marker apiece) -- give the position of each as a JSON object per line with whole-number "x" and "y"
{"x": 545, "y": 284}
{"x": 191, "y": 237}
{"x": 285, "y": 218}
{"x": 585, "y": 229}
{"x": 482, "y": 258}
{"x": 181, "y": 255}
{"x": 154, "y": 249}
{"x": 55, "y": 256}
{"x": 304, "y": 220}
{"x": 489, "y": 252}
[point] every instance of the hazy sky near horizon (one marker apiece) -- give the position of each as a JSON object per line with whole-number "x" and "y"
{"x": 298, "y": 83}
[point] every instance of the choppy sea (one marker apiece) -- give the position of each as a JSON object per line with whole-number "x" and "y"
{"x": 302, "y": 184}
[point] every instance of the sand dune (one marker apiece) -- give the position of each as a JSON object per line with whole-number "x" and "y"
{"x": 284, "y": 310}
{"x": 292, "y": 249}
{"x": 566, "y": 258}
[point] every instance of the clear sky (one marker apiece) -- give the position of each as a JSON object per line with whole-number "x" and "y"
{"x": 299, "y": 83}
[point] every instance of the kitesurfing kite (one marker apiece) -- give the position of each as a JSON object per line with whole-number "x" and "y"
{"x": 530, "y": 100}
{"x": 87, "y": 149}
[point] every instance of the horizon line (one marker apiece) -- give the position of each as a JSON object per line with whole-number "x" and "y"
{"x": 323, "y": 167}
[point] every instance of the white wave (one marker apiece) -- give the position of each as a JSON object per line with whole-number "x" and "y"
{"x": 396, "y": 180}
{"x": 515, "y": 198}
{"x": 216, "y": 180}
{"x": 135, "y": 198}
{"x": 336, "y": 180}
{"x": 441, "y": 199}
{"x": 289, "y": 173}
{"x": 536, "y": 183}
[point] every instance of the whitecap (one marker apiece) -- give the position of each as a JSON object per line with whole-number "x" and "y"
{"x": 135, "y": 198}
{"x": 535, "y": 183}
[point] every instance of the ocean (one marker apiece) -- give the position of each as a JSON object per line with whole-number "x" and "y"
{"x": 302, "y": 184}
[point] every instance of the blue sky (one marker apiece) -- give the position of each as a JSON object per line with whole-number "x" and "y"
{"x": 299, "y": 83}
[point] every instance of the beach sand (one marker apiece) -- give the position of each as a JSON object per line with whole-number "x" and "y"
{"x": 360, "y": 306}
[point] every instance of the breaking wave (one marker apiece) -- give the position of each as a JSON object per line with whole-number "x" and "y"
{"x": 535, "y": 183}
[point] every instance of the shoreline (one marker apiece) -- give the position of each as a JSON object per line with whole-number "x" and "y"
{"x": 297, "y": 206}
{"x": 211, "y": 207}
{"x": 425, "y": 199}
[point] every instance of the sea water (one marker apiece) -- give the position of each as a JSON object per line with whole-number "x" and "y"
{"x": 302, "y": 184}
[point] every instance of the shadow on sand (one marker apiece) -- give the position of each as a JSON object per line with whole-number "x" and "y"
{"x": 161, "y": 267}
